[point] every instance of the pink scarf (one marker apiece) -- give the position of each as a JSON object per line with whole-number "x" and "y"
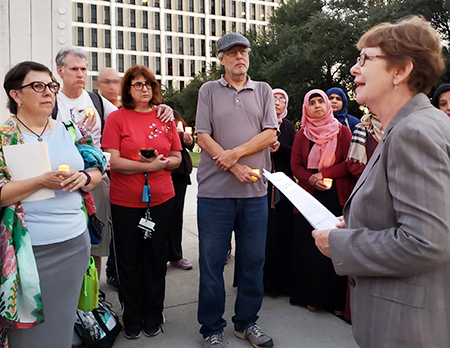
{"x": 323, "y": 132}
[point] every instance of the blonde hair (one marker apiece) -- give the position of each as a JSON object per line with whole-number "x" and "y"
{"x": 411, "y": 39}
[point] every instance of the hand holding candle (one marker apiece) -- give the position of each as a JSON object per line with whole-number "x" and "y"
{"x": 257, "y": 172}
{"x": 328, "y": 182}
{"x": 89, "y": 112}
{"x": 63, "y": 168}
{"x": 188, "y": 130}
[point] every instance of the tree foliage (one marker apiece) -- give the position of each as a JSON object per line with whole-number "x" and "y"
{"x": 312, "y": 44}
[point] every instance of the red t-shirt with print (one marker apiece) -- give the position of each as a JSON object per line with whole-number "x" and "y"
{"x": 129, "y": 131}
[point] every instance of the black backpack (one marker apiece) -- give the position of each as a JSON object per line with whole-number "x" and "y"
{"x": 98, "y": 104}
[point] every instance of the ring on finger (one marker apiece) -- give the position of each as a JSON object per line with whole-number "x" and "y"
{"x": 76, "y": 182}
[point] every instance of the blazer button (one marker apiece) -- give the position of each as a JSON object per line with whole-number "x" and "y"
{"x": 352, "y": 282}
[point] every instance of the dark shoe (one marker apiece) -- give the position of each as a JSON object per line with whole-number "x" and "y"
{"x": 132, "y": 335}
{"x": 110, "y": 280}
{"x": 256, "y": 336}
{"x": 312, "y": 308}
{"x": 152, "y": 330}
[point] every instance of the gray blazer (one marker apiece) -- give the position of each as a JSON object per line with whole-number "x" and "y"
{"x": 396, "y": 246}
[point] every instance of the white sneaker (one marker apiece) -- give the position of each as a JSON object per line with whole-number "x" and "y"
{"x": 256, "y": 336}
{"x": 213, "y": 341}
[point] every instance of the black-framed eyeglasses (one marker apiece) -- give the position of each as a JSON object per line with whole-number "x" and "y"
{"x": 138, "y": 86}
{"x": 364, "y": 56}
{"x": 39, "y": 86}
{"x": 232, "y": 53}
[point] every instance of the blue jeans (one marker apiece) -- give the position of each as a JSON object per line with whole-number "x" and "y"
{"x": 217, "y": 218}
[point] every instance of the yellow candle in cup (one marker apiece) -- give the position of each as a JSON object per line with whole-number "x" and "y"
{"x": 255, "y": 171}
{"x": 328, "y": 183}
{"x": 89, "y": 112}
{"x": 188, "y": 130}
{"x": 180, "y": 126}
{"x": 63, "y": 168}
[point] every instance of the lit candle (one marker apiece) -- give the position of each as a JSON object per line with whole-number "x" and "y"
{"x": 328, "y": 182}
{"x": 89, "y": 112}
{"x": 63, "y": 168}
{"x": 255, "y": 171}
{"x": 188, "y": 130}
{"x": 180, "y": 126}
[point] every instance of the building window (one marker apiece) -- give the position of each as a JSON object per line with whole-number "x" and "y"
{"x": 145, "y": 61}
{"x": 158, "y": 66}
{"x": 181, "y": 85}
{"x": 180, "y": 46}
{"x": 94, "y": 87}
{"x": 191, "y": 5}
{"x": 145, "y": 42}
{"x": 156, "y": 20}
{"x": 224, "y": 27}
{"x": 168, "y": 22}
{"x": 107, "y": 38}
{"x": 156, "y": 3}
{"x": 120, "y": 62}
{"x": 133, "y": 18}
{"x": 80, "y": 36}
{"x": 253, "y": 27}
{"x": 233, "y": 26}
{"x": 202, "y": 6}
{"x": 132, "y": 2}
{"x": 192, "y": 68}
{"x": 203, "y": 48}
{"x": 94, "y": 37}
{"x": 243, "y": 28}
{"x": 252, "y": 11}
{"x": 214, "y": 65}
{"x": 181, "y": 72}
{"x": 180, "y": 5}
{"x": 180, "y": 23}
{"x": 119, "y": 1}
{"x": 169, "y": 84}
{"x": 213, "y": 27}
{"x": 203, "y": 66}
{"x": 169, "y": 44}
{"x": 233, "y": 9}
{"x": 108, "y": 60}
{"x": 169, "y": 67}
{"x": 107, "y": 15}
{"x": 133, "y": 41}
{"x": 145, "y": 19}
{"x": 191, "y": 25}
{"x": 223, "y": 12}
{"x": 94, "y": 61}
{"x": 93, "y": 13}
{"x": 202, "y": 26}
{"x": 133, "y": 60}
{"x": 120, "y": 17}
{"x": 263, "y": 12}
{"x": 213, "y": 6}
{"x": 169, "y": 4}
{"x": 157, "y": 43}
{"x": 243, "y": 10}
{"x": 79, "y": 12}
{"x": 120, "y": 40}
{"x": 191, "y": 47}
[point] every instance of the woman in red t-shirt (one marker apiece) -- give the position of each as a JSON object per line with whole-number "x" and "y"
{"x": 141, "y": 262}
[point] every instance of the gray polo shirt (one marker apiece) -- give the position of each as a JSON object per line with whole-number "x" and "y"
{"x": 232, "y": 118}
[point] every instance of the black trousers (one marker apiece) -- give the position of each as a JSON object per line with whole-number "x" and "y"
{"x": 141, "y": 263}
{"x": 175, "y": 251}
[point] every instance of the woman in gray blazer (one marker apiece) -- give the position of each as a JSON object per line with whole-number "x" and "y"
{"x": 395, "y": 240}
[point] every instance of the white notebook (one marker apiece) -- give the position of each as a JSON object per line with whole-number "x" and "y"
{"x": 25, "y": 161}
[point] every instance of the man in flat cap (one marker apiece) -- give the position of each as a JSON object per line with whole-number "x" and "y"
{"x": 235, "y": 124}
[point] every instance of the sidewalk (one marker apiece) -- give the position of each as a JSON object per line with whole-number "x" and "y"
{"x": 289, "y": 326}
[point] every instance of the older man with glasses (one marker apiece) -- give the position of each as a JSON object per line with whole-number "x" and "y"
{"x": 235, "y": 124}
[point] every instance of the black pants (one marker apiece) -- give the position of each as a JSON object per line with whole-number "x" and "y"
{"x": 175, "y": 251}
{"x": 141, "y": 263}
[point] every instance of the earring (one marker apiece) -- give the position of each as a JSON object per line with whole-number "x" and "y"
{"x": 19, "y": 105}
{"x": 395, "y": 87}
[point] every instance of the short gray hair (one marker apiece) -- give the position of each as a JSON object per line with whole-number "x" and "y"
{"x": 61, "y": 56}
{"x": 220, "y": 55}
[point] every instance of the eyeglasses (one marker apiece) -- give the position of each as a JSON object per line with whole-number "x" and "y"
{"x": 232, "y": 53}
{"x": 39, "y": 87}
{"x": 138, "y": 86}
{"x": 280, "y": 100}
{"x": 109, "y": 82}
{"x": 363, "y": 57}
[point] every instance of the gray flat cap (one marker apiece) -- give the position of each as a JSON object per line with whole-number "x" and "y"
{"x": 230, "y": 40}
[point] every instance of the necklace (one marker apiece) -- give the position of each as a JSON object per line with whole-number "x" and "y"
{"x": 38, "y": 135}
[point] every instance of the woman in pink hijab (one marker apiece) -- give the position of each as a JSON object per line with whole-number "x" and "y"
{"x": 319, "y": 152}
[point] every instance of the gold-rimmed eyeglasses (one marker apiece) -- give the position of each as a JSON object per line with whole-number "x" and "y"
{"x": 39, "y": 86}
{"x": 364, "y": 56}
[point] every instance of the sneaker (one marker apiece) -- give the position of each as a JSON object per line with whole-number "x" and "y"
{"x": 256, "y": 336}
{"x": 132, "y": 335}
{"x": 152, "y": 330}
{"x": 182, "y": 264}
{"x": 213, "y": 341}
{"x": 110, "y": 280}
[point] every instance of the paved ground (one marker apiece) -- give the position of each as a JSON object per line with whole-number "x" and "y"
{"x": 290, "y": 326}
